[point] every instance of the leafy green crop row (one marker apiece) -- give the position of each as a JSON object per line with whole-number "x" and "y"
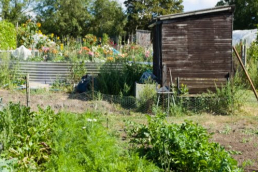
{"x": 45, "y": 141}
{"x": 176, "y": 147}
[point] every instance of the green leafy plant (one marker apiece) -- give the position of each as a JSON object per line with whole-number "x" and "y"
{"x": 184, "y": 147}
{"x": 25, "y": 135}
{"x": 7, "y": 36}
{"x": 77, "y": 70}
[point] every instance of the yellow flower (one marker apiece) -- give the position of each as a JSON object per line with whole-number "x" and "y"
{"x": 110, "y": 59}
{"x": 39, "y": 24}
{"x": 58, "y": 38}
{"x": 39, "y": 32}
{"x": 62, "y": 46}
{"x": 52, "y": 35}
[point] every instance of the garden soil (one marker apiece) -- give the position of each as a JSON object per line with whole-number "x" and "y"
{"x": 238, "y": 134}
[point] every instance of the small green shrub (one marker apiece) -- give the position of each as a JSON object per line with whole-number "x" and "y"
{"x": 7, "y": 36}
{"x": 77, "y": 70}
{"x": 174, "y": 147}
{"x": 147, "y": 98}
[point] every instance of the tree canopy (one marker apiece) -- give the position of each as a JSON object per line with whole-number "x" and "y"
{"x": 15, "y": 10}
{"x": 141, "y": 12}
{"x": 80, "y": 17}
{"x": 64, "y": 17}
{"x": 107, "y": 17}
{"x": 245, "y": 16}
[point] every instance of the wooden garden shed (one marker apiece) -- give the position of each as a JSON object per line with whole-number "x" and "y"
{"x": 195, "y": 48}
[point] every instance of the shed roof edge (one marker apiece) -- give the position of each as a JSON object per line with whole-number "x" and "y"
{"x": 192, "y": 13}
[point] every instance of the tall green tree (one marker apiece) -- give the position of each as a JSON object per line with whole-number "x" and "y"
{"x": 246, "y": 15}
{"x": 108, "y": 17}
{"x": 65, "y": 17}
{"x": 141, "y": 12}
{"x": 16, "y": 10}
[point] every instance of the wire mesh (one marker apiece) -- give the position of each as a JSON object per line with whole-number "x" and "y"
{"x": 173, "y": 104}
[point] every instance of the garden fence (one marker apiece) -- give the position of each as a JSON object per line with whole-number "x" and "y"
{"x": 49, "y": 72}
{"x": 181, "y": 104}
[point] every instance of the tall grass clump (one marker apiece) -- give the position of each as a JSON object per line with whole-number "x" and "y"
{"x": 179, "y": 147}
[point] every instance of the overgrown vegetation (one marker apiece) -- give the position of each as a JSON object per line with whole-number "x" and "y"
{"x": 226, "y": 100}
{"x": 115, "y": 79}
{"x": 251, "y": 66}
{"x": 45, "y": 141}
{"x": 8, "y": 74}
{"x": 174, "y": 147}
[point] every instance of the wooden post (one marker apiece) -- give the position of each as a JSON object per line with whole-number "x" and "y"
{"x": 28, "y": 90}
{"x": 243, "y": 53}
{"x": 246, "y": 73}
{"x": 92, "y": 86}
{"x": 178, "y": 85}
{"x": 164, "y": 75}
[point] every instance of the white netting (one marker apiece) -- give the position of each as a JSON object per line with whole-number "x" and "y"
{"x": 22, "y": 53}
{"x": 247, "y": 36}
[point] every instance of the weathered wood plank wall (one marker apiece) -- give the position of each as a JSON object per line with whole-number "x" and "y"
{"x": 198, "y": 49}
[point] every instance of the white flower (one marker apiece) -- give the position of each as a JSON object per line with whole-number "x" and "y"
{"x": 91, "y": 120}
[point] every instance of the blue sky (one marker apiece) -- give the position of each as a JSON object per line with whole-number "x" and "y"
{"x": 191, "y": 5}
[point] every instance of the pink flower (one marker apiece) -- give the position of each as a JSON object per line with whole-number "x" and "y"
{"x": 45, "y": 49}
{"x": 91, "y": 53}
{"x": 147, "y": 54}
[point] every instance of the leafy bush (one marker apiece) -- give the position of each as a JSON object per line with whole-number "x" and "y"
{"x": 174, "y": 147}
{"x": 7, "y": 36}
{"x": 114, "y": 80}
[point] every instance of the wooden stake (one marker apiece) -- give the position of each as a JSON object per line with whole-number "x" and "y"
{"x": 246, "y": 73}
{"x": 92, "y": 86}
{"x": 28, "y": 90}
